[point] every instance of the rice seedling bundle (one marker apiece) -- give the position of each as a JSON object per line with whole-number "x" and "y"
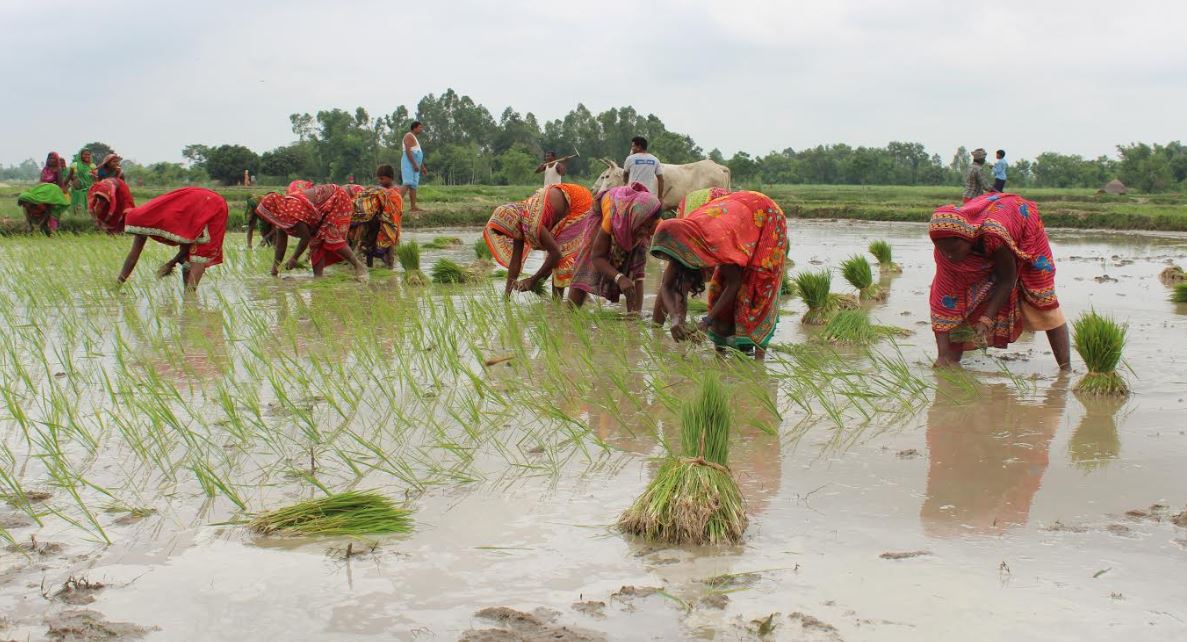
{"x": 694, "y": 499}
{"x": 1172, "y": 274}
{"x": 1179, "y": 294}
{"x": 851, "y": 326}
{"x": 448, "y": 272}
{"x": 882, "y": 252}
{"x": 856, "y": 270}
{"x": 1099, "y": 341}
{"x": 442, "y": 242}
{"x": 787, "y": 287}
{"x": 814, "y": 290}
{"x": 409, "y": 257}
{"x": 539, "y": 288}
{"x": 481, "y": 250}
{"x": 353, "y": 513}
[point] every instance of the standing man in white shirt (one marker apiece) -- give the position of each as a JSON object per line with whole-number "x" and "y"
{"x": 642, "y": 167}
{"x": 412, "y": 163}
{"x": 554, "y": 171}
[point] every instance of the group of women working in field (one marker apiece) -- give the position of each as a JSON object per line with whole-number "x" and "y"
{"x": 995, "y": 273}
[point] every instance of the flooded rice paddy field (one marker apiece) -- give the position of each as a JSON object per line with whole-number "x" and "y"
{"x": 886, "y": 502}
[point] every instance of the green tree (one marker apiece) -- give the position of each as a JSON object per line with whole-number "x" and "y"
{"x": 517, "y": 166}
{"x": 226, "y": 163}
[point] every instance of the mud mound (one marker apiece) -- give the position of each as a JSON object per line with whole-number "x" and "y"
{"x": 518, "y": 626}
{"x": 88, "y": 626}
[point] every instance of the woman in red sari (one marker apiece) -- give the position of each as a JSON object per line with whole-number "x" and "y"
{"x": 613, "y": 257}
{"x": 741, "y": 236}
{"x": 554, "y": 219}
{"x": 108, "y": 201}
{"x": 995, "y": 276}
{"x": 320, "y": 218}
{"x": 192, "y": 218}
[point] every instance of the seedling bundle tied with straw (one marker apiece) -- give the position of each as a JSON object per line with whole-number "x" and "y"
{"x": 409, "y": 256}
{"x": 1099, "y": 340}
{"x": 856, "y": 270}
{"x": 882, "y": 252}
{"x": 694, "y": 498}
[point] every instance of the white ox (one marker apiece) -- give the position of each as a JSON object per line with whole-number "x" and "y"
{"x": 679, "y": 180}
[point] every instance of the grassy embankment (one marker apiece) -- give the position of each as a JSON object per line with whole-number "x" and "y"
{"x": 471, "y": 205}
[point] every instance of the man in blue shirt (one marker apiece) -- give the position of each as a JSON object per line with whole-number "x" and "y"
{"x": 999, "y": 172}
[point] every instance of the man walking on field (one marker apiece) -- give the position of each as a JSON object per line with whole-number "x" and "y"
{"x": 412, "y": 164}
{"x": 554, "y": 171}
{"x": 643, "y": 167}
{"x": 999, "y": 172}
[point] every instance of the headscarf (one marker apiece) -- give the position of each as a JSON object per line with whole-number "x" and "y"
{"x": 299, "y": 185}
{"x": 104, "y": 170}
{"x": 108, "y": 200}
{"x": 633, "y": 208}
{"x": 626, "y": 214}
{"x": 52, "y": 172}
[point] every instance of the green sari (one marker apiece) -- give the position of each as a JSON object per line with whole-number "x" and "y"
{"x": 83, "y": 179}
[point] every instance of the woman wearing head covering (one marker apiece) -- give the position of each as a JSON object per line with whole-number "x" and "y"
{"x": 192, "y": 218}
{"x": 107, "y": 201}
{"x": 52, "y": 172}
{"x": 554, "y": 219}
{"x": 375, "y": 226}
{"x": 742, "y": 236}
{"x": 320, "y": 218}
{"x": 613, "y": 257}
{"x": 83, "y": 172}
{"x": 110, "y": 167}
{"x": 43, "y": 204}
{"x": 995, "y": 276}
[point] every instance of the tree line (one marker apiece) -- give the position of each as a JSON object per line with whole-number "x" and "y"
{"x": 466, "y": 144}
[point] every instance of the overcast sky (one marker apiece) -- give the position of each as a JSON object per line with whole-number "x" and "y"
{"x": 1028, "y": 76}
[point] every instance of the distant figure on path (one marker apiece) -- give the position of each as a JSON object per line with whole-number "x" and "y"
{"x": 643, "y": 167}
{"x": 554, "y": 171}
{"x": 999, "y": 172}
{"x": 613, "y": 258}
{"x": 412, "y": 164}
{"x": 995, "y": 277}
{"x": 192, "y": 218}
{"x": 974, "y": 181}
{"x": 83, "y": 172}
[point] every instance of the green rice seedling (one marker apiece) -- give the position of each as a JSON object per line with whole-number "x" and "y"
{"x": 349, "y": 514}
{"x": 442, "y": 242}
{"x": 852, "y": 327}
{"x": 697, "y": 306}
{"x": 787, "y": 288}
{"x": 1179, "y": 294}
{"x": 409, "y": 256}
{"x": 539, "y": 288}
{"x": 1099, "y": 340}
{"x": 882, "y": 252}
{"x": 694, "y": 498}
{"x": 482, "y": 250}
{"x": 814, "y": 290}
{"x": 856, "y": 270}
{"x": 448, "y": 272}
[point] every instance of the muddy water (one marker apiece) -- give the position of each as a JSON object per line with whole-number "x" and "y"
{"x": 998, "y": 518}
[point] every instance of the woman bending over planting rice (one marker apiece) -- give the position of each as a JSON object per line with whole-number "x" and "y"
{"x": 108, "y": 201}
{"x": 742, "y": 237}
{"x": 192, "y": 218}
{"x": 555, "y": 219}
{"x": 995, "y": 276}
{"x": 375, "y": 226}
{"x": 613, "y": 257}
{"x": 320, "y": 217}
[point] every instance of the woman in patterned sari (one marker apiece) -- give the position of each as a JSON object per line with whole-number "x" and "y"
{"x": 320, "y": 218}
{"x": 743, "y": 237}
{"x": 554, "y": 219}
{"x": 375, "y": 227}
{"x": 697, "y": 199}
{"x": 995, "y": 276}
{"x": 613, "y": 257}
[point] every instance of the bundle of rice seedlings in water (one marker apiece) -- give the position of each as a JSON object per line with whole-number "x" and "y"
{"x": 694, "y": 499}
{"x": 442, "y": 242}
{"x": 481, "y": 251}
{"x": 484, "y": 262}
{"x": 353, "y": 513}
{"x": 882, "y": 252}
{"x": 1099, "y": 341}
{"x": 448, "y": 272}
{"x": 856, "y": 270}
{"x": 1179, "y": 294}
{"x": 1172, "y": 274}
{"x": 814, "y": 290}
{"x": 409, "y": 256}
{"x": 787, "y": 287}
{"x": 851, "y": 326}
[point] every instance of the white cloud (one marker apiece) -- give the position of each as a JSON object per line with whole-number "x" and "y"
{"x": 150, "y": 77}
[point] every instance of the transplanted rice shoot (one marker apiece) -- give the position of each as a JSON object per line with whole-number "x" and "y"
{"x": 481, "y": 250}
{"x": 814, "y": 290}
{"x": 1099, "y": 341}
{"x": 787, "y": 286}
{"x": 882, "y": 252}
{"x": 1179, "y": 294}
{"x": 856, "y": 270}
{"x": 353, "y": 513}
{"x": 409, "y": 256}
{"x": 442, "y": 242}
{"x": 448, "y": 272}
{"x": 483, "y": 263}
{"x": 694, "y": 499}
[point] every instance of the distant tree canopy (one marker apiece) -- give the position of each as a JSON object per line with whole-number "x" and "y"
{"x": 465, "y": 143}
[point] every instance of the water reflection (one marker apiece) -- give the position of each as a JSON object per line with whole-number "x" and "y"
{"x": 987, "y": 457}
{"x": 1095, "y": 441}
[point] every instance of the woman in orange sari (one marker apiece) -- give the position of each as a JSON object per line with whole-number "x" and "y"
{"x": 995, "y": 276}
{"x": 743, "y": 237}
{"x": 554, "y": 219}
{"x": 375, "y": 226}
{"x": 320, "y": 218}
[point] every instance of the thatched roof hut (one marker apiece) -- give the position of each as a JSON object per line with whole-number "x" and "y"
{"x": 1114, "y": 187}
